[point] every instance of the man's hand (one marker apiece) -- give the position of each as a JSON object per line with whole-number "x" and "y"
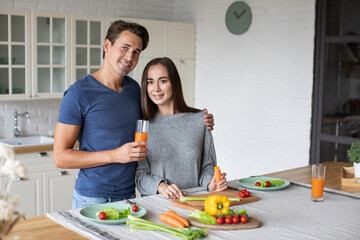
{"x": 209, "y": 120}
{"x": 129, "y": 152}
{"x": 170, "y": 191}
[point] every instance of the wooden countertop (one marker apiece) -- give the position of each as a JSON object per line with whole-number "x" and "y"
{"x": 42, "y": 227}
{"x": 39, "y": 148}
{"x": 332, "y": 176}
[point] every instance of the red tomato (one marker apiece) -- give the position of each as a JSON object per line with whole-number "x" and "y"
{"x": 214, "y": 216}
{"x": 242, "y": 195}
{"x": 247, "y": 193}
{"x": 235, "y": 219}
{"x": 257, "y": 184}
{"x": 229, "y": 216}
{"x": 243, "y": 219}
{"x": 135, "y": 208}
{"x": 268, "y": 184}
{"x": 244, "y": 190}
{"x": 220, "y": 220}
{"x": 102, "y": 216}
{"x": 228, "y": 220}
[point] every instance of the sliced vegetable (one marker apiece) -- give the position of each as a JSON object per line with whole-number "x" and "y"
{"x": 178, "y": 217}
{"x": 172, "y": 221}
{"x": 203, "y": 217}
{"x": 185, "y": 233}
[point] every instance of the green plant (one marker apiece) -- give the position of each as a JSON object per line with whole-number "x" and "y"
{"x": 354, "y": 152}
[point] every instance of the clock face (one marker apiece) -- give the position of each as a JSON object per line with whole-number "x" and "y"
{"x": 238, "y": 17}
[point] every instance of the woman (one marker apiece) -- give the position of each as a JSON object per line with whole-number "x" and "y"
{"x": 181, "y": 151}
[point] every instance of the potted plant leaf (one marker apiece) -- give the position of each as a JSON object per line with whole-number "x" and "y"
{"x": 354, "y": 156}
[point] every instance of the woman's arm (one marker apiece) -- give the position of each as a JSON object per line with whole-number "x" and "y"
{"x": 146, "y": 183}
{"x": 207, "y": 177}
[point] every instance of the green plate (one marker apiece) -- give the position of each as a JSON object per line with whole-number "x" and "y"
{"x": 90, "y": 212}
{"x": 250, "y": 183}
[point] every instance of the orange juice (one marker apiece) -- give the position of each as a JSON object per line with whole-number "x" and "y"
{"x": 317, "y": 187}
{"x": 141, "y": 136}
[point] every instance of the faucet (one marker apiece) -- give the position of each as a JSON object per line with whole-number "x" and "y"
{"x": 17, "y": 128}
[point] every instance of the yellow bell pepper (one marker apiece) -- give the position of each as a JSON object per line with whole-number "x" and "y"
{"x": 216, "y": 204}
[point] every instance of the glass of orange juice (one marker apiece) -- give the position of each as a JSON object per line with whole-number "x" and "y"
{"x": 141, "y": 133}
{"x": 317, "y": 183}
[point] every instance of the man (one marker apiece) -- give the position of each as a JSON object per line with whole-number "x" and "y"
{"x": 100, "y": 110}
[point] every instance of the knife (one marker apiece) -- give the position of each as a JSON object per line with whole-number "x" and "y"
{"x": 233, "y": 188}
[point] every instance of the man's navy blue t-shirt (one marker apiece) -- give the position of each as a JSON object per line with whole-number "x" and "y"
{"x": 107, "y": 119}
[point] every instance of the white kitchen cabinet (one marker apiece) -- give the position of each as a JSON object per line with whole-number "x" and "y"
{"x": 14, "y": 54}
{"x": 29, "y": 192}
{"x": 180, "y": 40}
{"x": 50, "y": 54}
{"x": 58, "y": 189}
{"x": 88, "y": 33}
{"x": 46, "y": 189}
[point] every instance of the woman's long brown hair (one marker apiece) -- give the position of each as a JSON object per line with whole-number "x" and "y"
{"x": 148, "y": 107}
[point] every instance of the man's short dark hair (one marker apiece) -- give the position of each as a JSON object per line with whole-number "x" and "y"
{"x": 118, "y": 26}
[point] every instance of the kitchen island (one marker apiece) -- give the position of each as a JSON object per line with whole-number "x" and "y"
{"x": 286, "y": 213}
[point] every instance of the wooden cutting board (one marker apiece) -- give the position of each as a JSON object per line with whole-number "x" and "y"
{"x": 252, "y": 223}
{"x": 199, "y": 205}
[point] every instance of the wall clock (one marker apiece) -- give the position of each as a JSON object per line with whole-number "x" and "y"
{"x": 238, "y": 17}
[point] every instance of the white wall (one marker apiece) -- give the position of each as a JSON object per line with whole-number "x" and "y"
{"x": 258, "y": 85}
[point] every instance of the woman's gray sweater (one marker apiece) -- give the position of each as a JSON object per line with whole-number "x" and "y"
{"x": 181, "y": 151}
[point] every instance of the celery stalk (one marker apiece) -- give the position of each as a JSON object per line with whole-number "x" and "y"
{"x": 185, "y": 233}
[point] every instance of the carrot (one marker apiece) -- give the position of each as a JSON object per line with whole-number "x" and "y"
{"x": 178, "y": 217}
{"x": 171, "y": 220}
{"x": 217, "y": 174}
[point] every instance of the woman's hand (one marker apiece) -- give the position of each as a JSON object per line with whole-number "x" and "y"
{"x": 170, "y": 191}
{"x": 209, "y": 120}
{"x": 220, "y": 186}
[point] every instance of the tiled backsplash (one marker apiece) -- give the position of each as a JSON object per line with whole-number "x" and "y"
{"x": 42, "y": 121}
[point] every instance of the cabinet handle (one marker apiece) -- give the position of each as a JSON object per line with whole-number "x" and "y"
{"x": 63, "y": 173}
{"x": 21, "y": 178}
{"x": 181, "y": 61}
{"x": 42, "y": 154}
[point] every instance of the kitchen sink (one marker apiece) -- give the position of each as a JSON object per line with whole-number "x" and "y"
{"x": 28, "y": 141}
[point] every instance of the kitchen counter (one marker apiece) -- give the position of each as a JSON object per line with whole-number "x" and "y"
{"x": 275, "y": 210}
{"x": 38, "y": 148}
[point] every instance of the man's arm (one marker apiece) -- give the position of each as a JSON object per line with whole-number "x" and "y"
{"x": 66, "y": 157}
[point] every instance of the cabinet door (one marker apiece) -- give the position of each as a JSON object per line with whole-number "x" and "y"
{"x": 29, "y": 193}
{"x": 14, "y": 54}
{"x": 157, "y": 31}
{"x": 181, "y": 40}
{"x": 58, "y": 189}
{"x": 186, "y": 69}
{"x": 88, "y": 35}
{"x": 51, "y": 61}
